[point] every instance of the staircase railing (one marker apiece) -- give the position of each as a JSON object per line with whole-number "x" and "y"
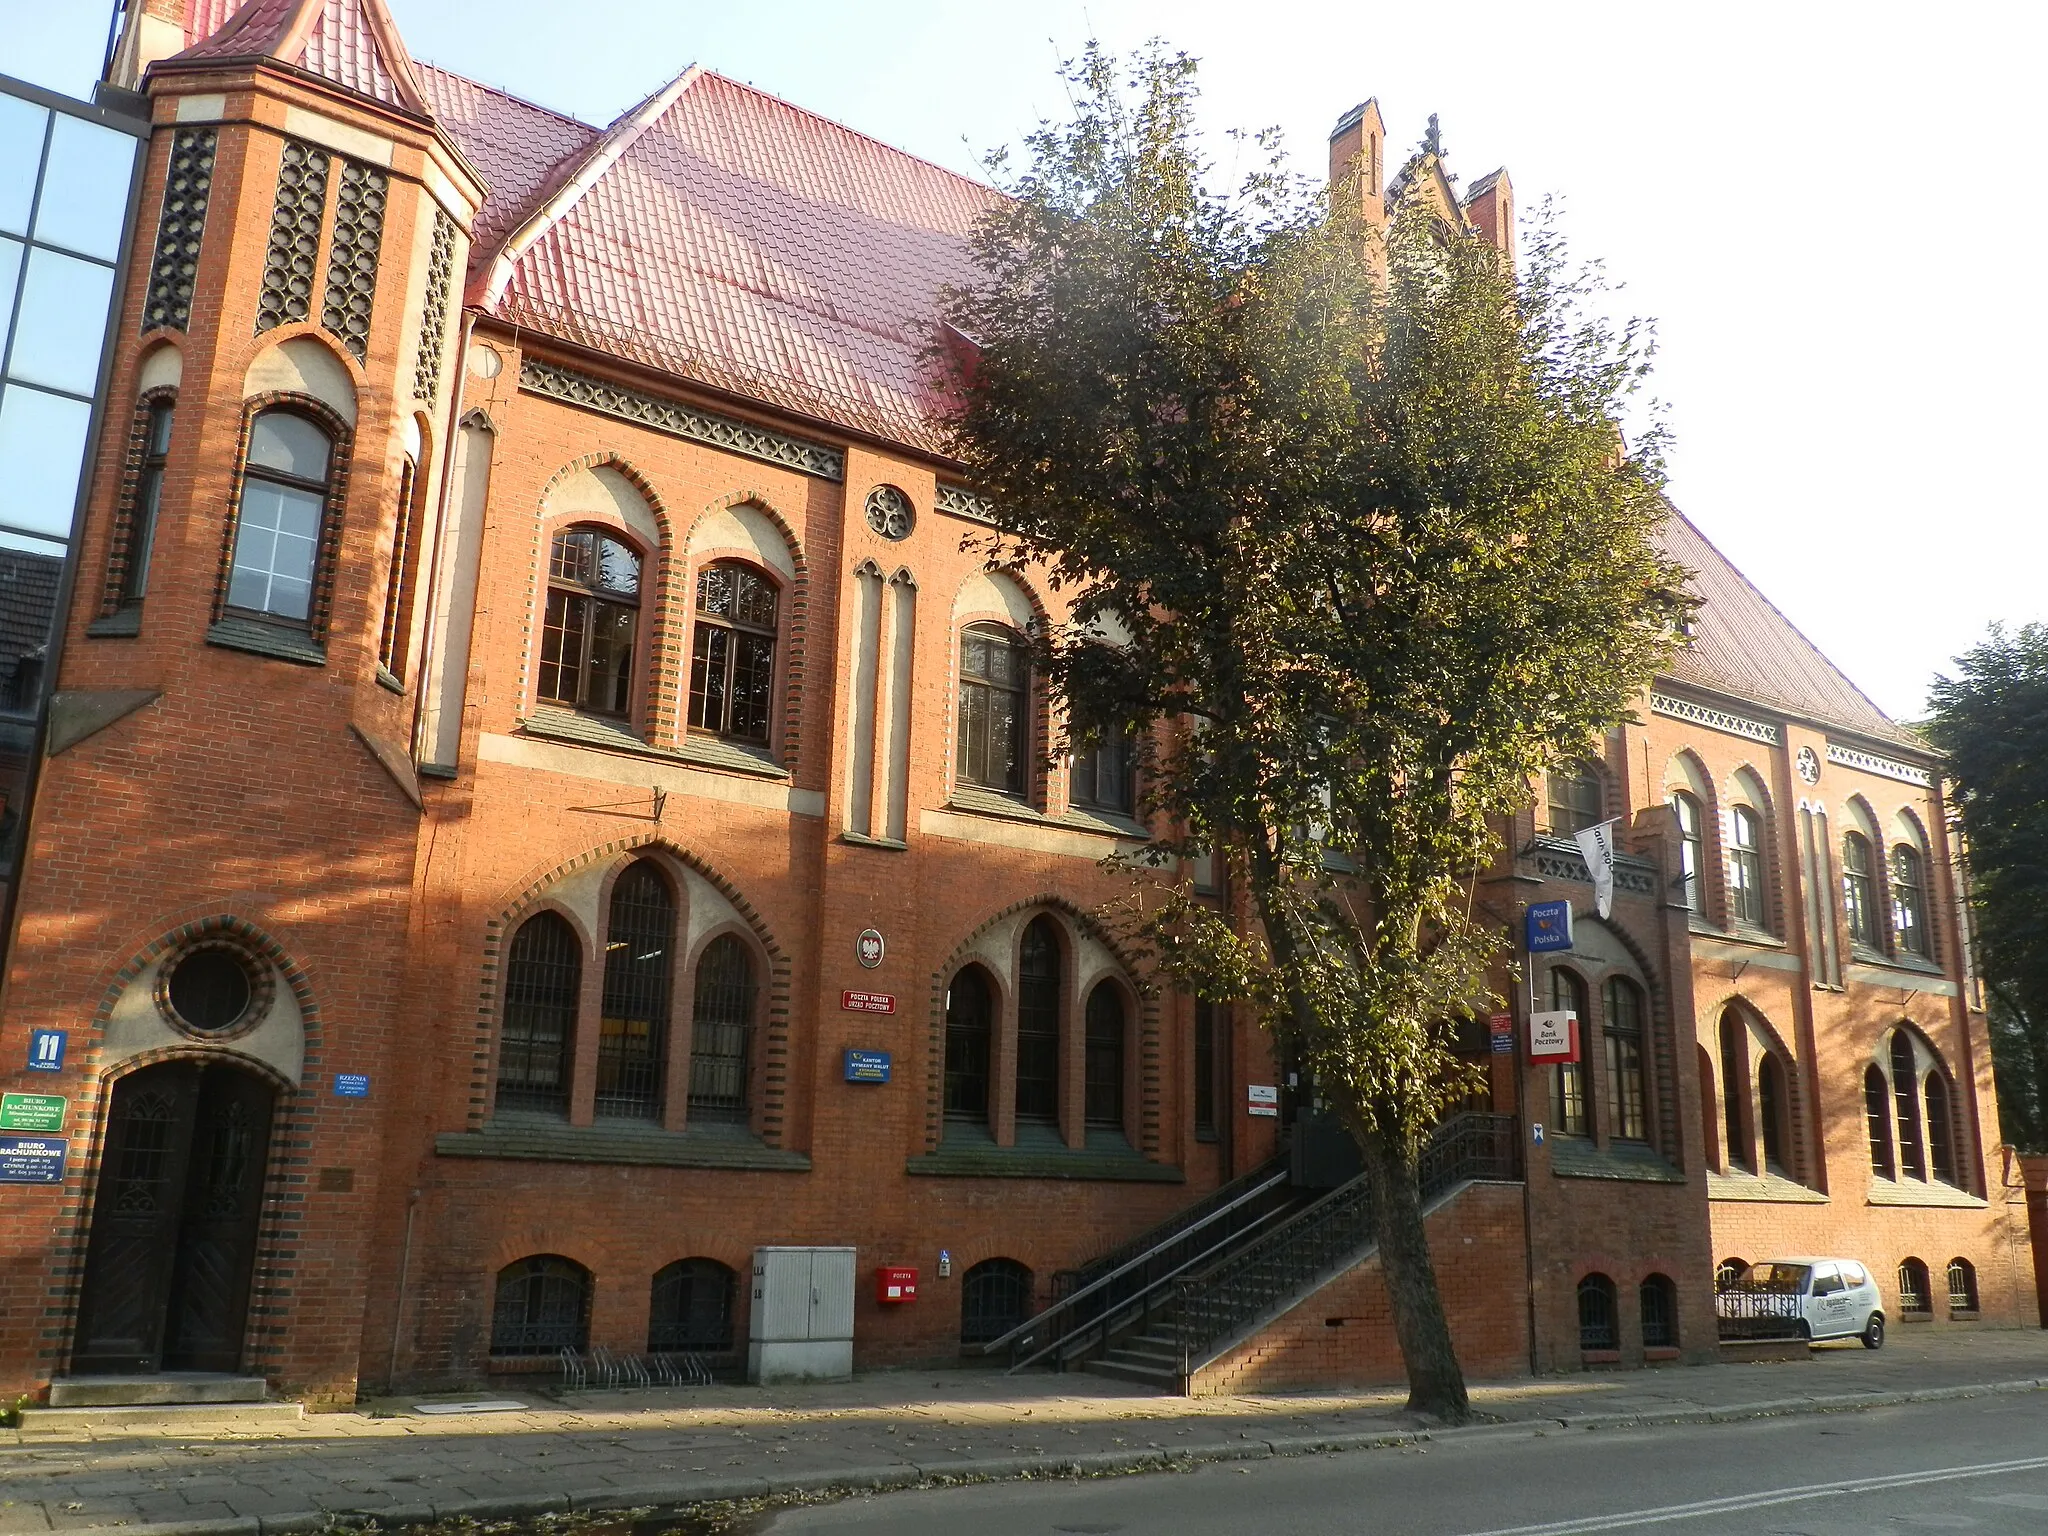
{"x": 1127, "y": 1290}
{"x": 1179, "y": 1222}
{"x": 1215, "y": 1306}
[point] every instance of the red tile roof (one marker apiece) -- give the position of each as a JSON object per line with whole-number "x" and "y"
{"x": 352, "y": 43}
{"x": 1743, "y": 646}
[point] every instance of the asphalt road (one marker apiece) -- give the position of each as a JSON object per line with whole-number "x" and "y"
{"x": 1978, "y": 1465}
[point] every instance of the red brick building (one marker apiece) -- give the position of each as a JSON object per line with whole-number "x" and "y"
{"x": 532, "y": 717}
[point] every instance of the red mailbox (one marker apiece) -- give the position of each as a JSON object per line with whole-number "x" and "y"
{"x": 895, "y": 1284}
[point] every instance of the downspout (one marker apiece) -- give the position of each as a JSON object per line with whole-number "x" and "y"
{"x": 398, "y": 1308}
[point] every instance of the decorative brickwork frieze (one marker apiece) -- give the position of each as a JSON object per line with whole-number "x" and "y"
{"x": 180, "y": 230}
{"x": 426, "y": 368}
{"x": 680, "y": 420}
{"x": 1884, "y": 767}
{"x": 1713, "y": 719}
{"x": 352, "y": 256}
{"x": 287, "y": 294}
{"x": 962, "y": 502}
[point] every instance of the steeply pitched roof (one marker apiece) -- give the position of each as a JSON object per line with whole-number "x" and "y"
{"x": 522, "y": 151}
{"x": 351, "y": 43}
{"x": 1743, "y": 646}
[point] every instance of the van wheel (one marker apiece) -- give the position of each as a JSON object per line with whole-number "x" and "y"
{"x": 1805, "y": 1331}
{"x": 1873, "y": 1332}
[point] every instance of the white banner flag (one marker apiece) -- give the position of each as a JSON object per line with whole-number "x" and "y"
{"x": 1596, "y": 846}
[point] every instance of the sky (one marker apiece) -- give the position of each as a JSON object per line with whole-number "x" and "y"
{"x": 1823, "y": 206}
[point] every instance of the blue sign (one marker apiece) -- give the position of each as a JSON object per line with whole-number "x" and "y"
{"x": 46, "y": 1050}
{"x": 1550, "y": 926}
{"x": 867, "y": 1066}
{"x": 352, "y": 1085}
{"x": 32, "y": 1159}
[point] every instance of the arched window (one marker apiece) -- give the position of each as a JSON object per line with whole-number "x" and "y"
{"x": 1658, "y": 1298}
{"x": 1962, "y": 1285}
{"x": 1941, "y": 1149}
{"x": 543, "y": 1305}
{"x": 1909, "y": 902}
{"x": 995, "y": 1296}
{"x": 1626, "y": 1114}
{"x": 1729, "y": 1272}
{"x": 1105, "y": 1065}
{"x": 1038, "y": 1024}
{"x": 632, "y": 1041}
{"x": 1877, "y": 1120}
{"x": 1710, "y": 1110}
{"x": 1746, "y": 867}
{"x": 732, "y": 659}
{"x": 138, "y": 537}
{"x": 1597, "y": 1326}
{"x": 1570, "y": 1114}
{"x": 995, "y": 683}
{"x": 1773, "y": 1111}
{"x": 969, "y": 1016}
{"x": 1575, "y": 799}
{"x": 721, "y": 1030}
{"x": 285, "y": 485}
{"x": 1212, "y": 1058}
{"x": 593, "y": 615}
{"x": 1692, "y": 850}
{"x": 1906, "y": 1095}
{"x": 1913, "y": 1289}
{"x": 1103, "y": 778}
{"x": 1859, "y": 891}
{"x": 396, "y": 630}
{"x": 1735, "y": 1091}
{"x": 543, "y": 978}
{"x": 691, "y": 1308}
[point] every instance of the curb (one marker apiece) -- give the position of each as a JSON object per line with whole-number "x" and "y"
{"x": 889, "y": 1476}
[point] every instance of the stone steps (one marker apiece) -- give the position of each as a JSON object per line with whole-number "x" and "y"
{"x": 162, "y": 1389}
{"x": 172, "y": 1400}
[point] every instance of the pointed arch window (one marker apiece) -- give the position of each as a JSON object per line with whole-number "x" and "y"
{"x": 1735, "y": 1091}
{"x": 1859, "y": 892}
{"x": 970, "y": 1019}
{"x": 396, "y": 630}
{"x": 632, "y": 1043}
{"x": 1570, "y": 1113}
{"x": 286, "y": 482}
{"x": 591, "y": 625}
{"x": 1627, "y": 1116}
{"x": 1038, "y": 1024}
{"x": 1575, "y": 798}
{"x": 132, "y": 554}
{"x": 1773, "y": 1108}
{"x": 1692, "y": 850}
{"x": 1105, "y": 1065}
{"x": 1746, "y": 867}
{"x": 1906, "y": 1093}
{"x": 1909, "y": 902}
{"x": 543, "y": 978}
{"x": 995, "y": 681}
{"x": 1941, "y": 1148}
{"x": 721, "y": 1030}
{"x": 1877, "y": 1120}
{"x": 732, "y": 657}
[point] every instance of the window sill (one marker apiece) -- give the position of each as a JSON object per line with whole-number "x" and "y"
{"x": 555, "y": 724}
{"x": 1915, "y": 1317}
{"x": 1654, "y": 1354}
{"x": 968, "y": 1153}
{"x": 1911, "y": 964}
{"x": 1964, "y": 1315}
{"x": 862, "y": 840}
{"x": 1919, "y": 1192}
{"x": 516, "y": 1137}
{"x": 1113, "y": 822}
{"x": 123, "y": 624}
{"x": 1208, "y": 1136}
{"x": 718, "y": 752}
{"x": 1600, "y": 1356}
{"x": 975, "y": 801}
{"x": 259, "y": 639}
{"x": 1577, "y": 1157}
{"x": 1769, "y": 1188}
{"x": 386, "y": 678}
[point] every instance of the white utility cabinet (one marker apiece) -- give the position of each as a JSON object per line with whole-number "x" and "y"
{"x": 801, "y": 1323}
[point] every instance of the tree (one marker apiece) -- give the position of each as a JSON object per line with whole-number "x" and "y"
{"x": 1991, "y": 719}
{"x": 1349, "y": 513}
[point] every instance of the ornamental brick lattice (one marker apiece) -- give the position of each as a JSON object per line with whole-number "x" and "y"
{"x": 426, "y": 369}
{"x": 294, "y": 237}
{"x": 352, "y": 259}
{"x": 181, "y": 228}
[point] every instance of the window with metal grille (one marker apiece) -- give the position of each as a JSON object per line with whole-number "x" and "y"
{"x": 691, "y": 1308}
{"x": 140, "y": 534}
{"x": 543, "y": 1305}
{"x": 1038, "y": 1023}
{"x": 1859, "y": 892}
{"x": 995, "y": 1296}
{"x": 1692, "y": 850}
{"x": 1104, "y": 778}
{"x": 397, "y": 626}
{"x": 278, "y": 527}
{"x": 969, "y": 1016}
{"x": 721, "y": 1030}
{"x": 1962, "y": 1286}
{"x": 632, "y": 1031}
{"x": 1909, "y": 903}
{"x": 1207, "y": 1058}
{"x": 1877, "y": 1121}
{"x": 1746, "y": 868}
{"x": 1735, "y": 1091}
{"x": 1913, "y": 1289}
{"x": 1658, "y": 1299}
{"x": 1906, "y": 1097}
{"x": 1729, "y": 1272}
{"x": 1104, "y": 1068}
{"x": 732, "y": 658}
{"x": 1627, "y": 1117}
{"x": 1570, "y": 1115}
{"x": 1575, "y": 798}
{"x": 1597, "y": 1328}
{"x": 1772, "y": 1111}
{"x": 593, "y": 614}
{"x": 995, "y": 676}
{"x": 543, "y": 977}
{"x": 1941, "y": 1150}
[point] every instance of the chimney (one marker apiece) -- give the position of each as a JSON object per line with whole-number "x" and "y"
{"x": 150, "y": 30}
{"x": 1358, "y": 164}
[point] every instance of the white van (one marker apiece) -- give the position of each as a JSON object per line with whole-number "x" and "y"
{"x": 1835, "y": 1298}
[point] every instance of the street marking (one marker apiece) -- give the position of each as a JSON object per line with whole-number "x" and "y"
{"x": 1764, "y": 1499}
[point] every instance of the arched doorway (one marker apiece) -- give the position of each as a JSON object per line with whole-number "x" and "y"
{"x": 174, "y": 1221}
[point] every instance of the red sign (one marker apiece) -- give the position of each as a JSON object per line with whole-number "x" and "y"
{"x": 866, "y": 1002}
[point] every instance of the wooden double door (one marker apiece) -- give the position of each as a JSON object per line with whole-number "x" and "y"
{"x": 174, "y": 1221}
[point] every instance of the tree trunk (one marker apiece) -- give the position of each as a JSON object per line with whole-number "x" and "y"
{"x": 1436, "y": 1382}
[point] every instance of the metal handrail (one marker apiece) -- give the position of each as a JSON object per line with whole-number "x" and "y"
{"x": 1184, "y": 1220}
{"x": 1067, "y": 1304}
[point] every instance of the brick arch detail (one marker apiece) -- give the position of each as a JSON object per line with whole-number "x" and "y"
{"x": 335, "y": 513}
{"x": 799, "y": 608}
{"x": 1151, "y": 1047}
{"x": 532, "y": 895}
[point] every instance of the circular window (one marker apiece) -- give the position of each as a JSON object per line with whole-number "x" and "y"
{"x": 213, "y": 990}
{"x": 890, "y": 513}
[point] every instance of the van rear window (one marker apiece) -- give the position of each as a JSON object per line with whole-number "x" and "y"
{"x": 1777, "y": 1277}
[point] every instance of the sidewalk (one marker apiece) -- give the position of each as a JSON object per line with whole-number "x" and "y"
{"x": 889, "y": 1429}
